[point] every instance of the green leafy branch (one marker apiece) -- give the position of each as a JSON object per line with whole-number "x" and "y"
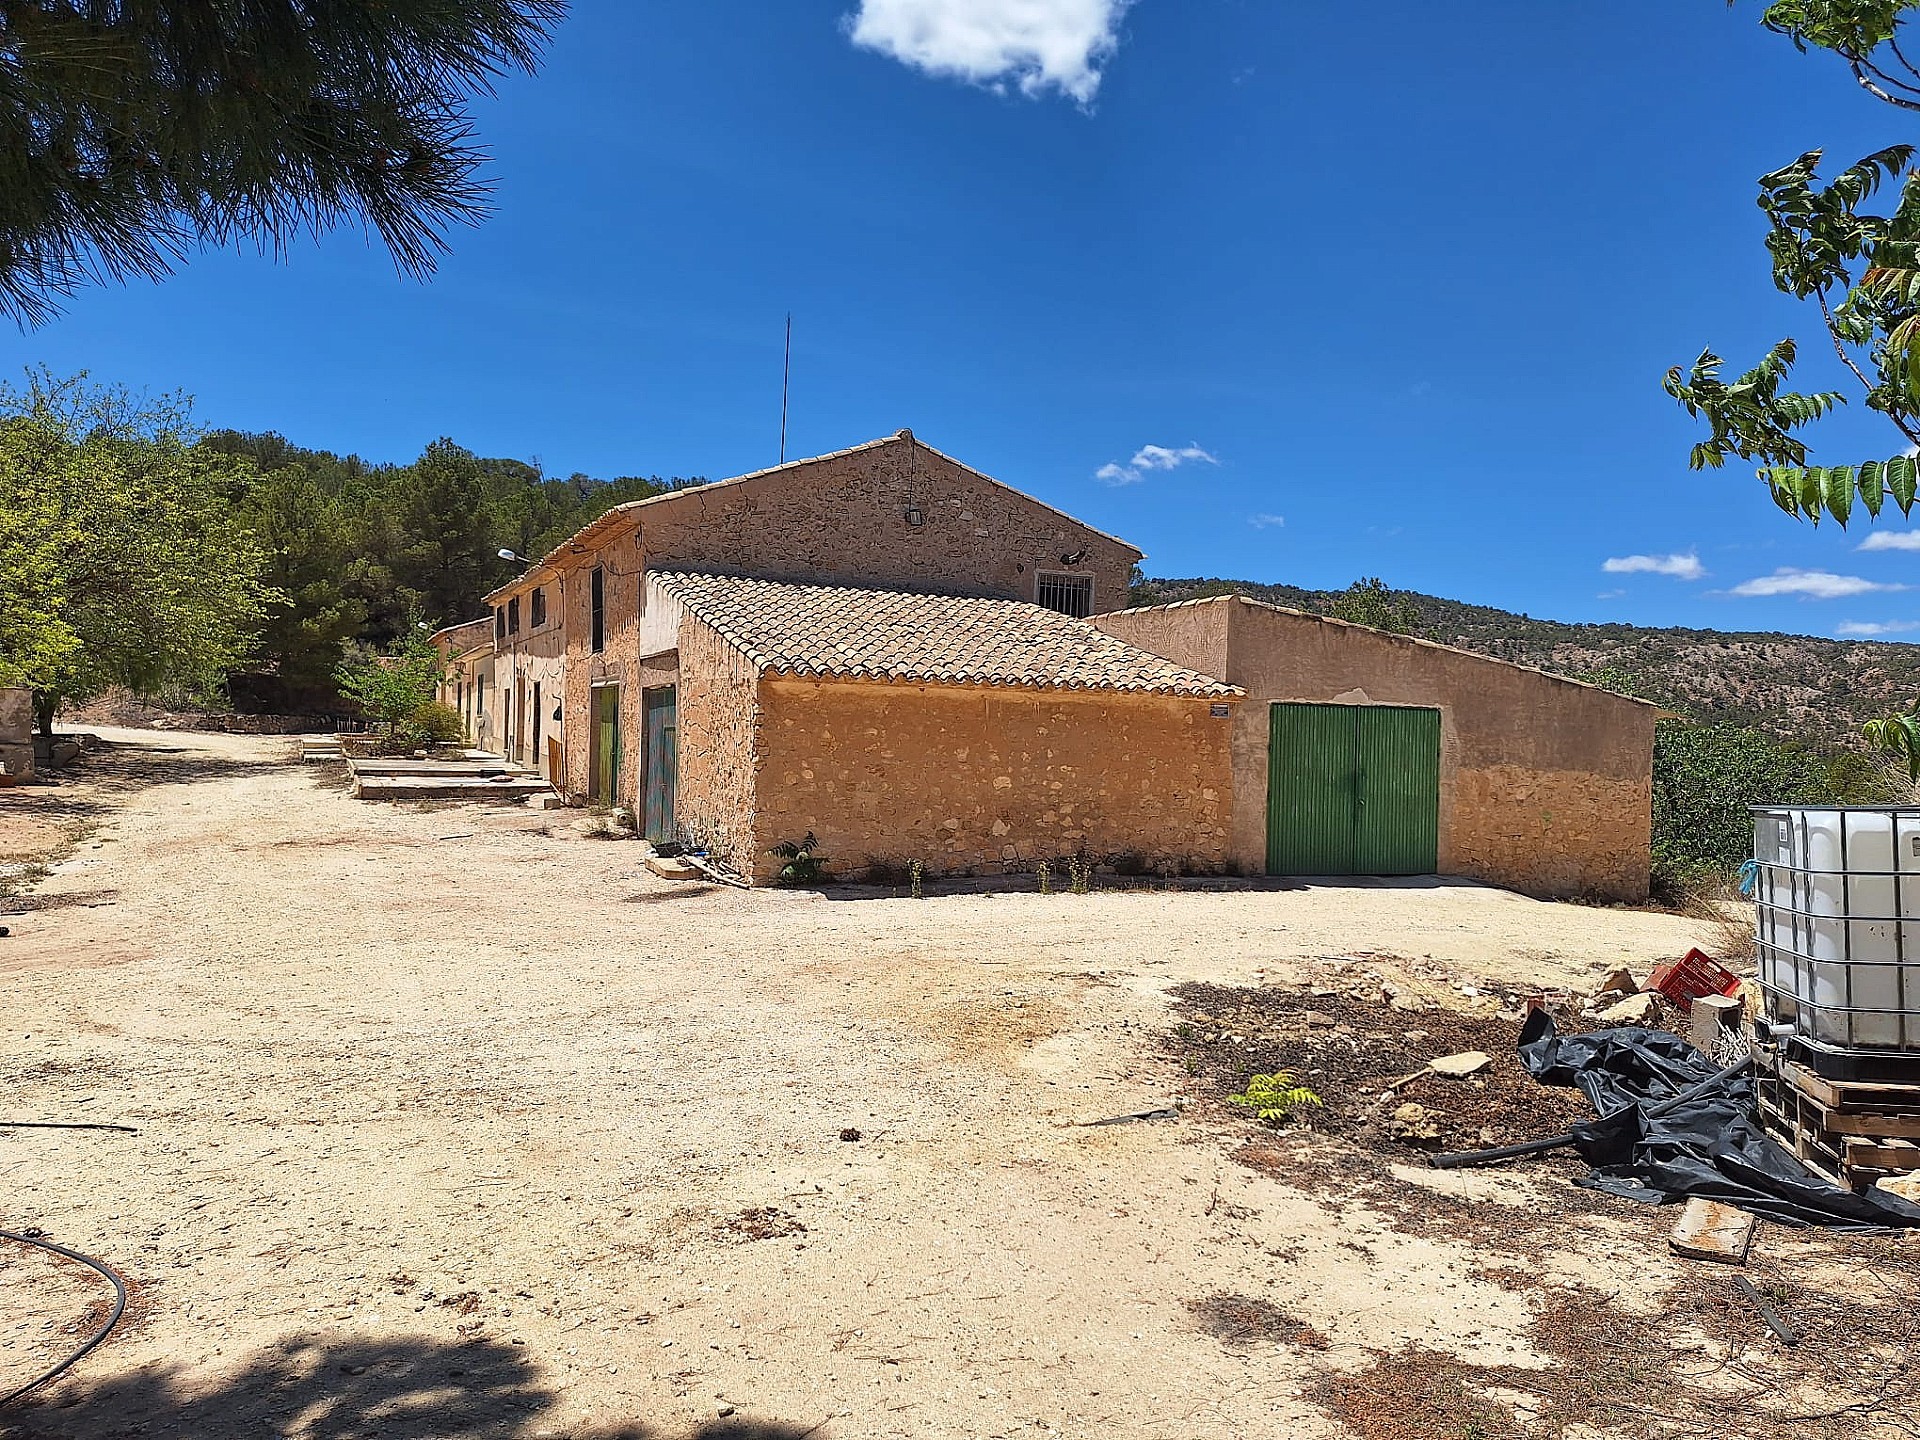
{"x": 1864, "y": 33}
{"x": 1863, "y": 272}
{"x": 1898, "y": 733}
{"x": 1273, "y": 1098}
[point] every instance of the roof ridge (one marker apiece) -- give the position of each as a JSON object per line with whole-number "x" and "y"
{"x": 616, "y": 513}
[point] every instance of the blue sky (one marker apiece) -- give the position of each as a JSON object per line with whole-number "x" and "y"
{"x": 1289, "y": 292}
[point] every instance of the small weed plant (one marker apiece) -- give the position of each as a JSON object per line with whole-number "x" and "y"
{"x": 1045, "y": 872}
{"x": 1079, "y": 874}
{"x": 916, "y": 872}
{"x": 805, "y": 865}
{"x": 1273, "y": 1098}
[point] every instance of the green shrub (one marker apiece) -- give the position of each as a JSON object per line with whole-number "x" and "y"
{"x": 390, "y": 688}
{"x": 437, "y": 723}
{"x": 1706, "y": 778}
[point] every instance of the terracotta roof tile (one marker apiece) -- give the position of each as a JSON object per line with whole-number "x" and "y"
{"x": 787, "y": 628}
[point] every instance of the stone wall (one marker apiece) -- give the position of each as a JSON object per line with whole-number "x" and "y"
{"x": 845, "y": 518}
{"x": 528, "y": 659}
{"x": 16, "y": 732}
{"x": 718, "y": 750}
{"x": 977, "y": 780}
{"x": 468, "y": 680}
{"x": 571, "y": 606}
{"x": 1545, "y": 785}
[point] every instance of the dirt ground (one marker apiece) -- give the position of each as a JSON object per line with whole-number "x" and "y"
{"x": 455, "y": 1121}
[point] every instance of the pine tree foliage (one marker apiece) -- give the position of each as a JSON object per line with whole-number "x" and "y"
{"x": 131, "y": 130}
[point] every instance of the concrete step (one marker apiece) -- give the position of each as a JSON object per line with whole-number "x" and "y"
{"x": 449, "y": 787}
{"x": 472, "y": 769}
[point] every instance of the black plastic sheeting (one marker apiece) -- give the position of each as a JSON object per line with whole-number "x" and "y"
{"x": 1711, "y": 1148}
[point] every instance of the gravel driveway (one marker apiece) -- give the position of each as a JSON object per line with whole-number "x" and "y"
{"x": 456, "y": 1121}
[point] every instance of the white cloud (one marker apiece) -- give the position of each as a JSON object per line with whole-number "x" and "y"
{"x": 1610, "y": 594}
{"x": 1149, "y": 458}
{"x": 1034, "y": 45}
{"x": 1266, "y": 522}
{"x": 1875, "y": 627}
{"x": 1891, "y": 540}
{"x": 1681, "y": 567}
{"x": 1813, "y": 584}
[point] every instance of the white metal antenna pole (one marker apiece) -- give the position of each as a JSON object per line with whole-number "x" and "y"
{"x": 786, "y": 375}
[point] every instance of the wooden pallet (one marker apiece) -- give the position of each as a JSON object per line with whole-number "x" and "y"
{"x": 1851, "y": 1132}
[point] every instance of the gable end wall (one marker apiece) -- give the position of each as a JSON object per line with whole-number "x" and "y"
{"x": 1545, "y": 787}
{"x": 845, "y": 519}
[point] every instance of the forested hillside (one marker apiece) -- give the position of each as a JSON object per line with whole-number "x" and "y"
{"x": 361, "y": 551}
{"x": 1787, "y": 685}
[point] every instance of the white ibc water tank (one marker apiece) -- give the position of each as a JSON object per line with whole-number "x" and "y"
{"x": 1837, "y": 908}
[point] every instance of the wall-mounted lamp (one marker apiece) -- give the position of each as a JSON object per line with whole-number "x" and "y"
{"x": 506, "y": 554}
{"x": 914, "y": 517}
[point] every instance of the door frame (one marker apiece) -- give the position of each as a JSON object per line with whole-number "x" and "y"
{"x": 519, "y": 719}
{"x": 600, "y": 756}
{"x": 656, "y": 767}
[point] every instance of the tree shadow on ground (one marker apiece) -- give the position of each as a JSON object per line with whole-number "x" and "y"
{"x": 411, "y": 1388}
{"x": 96, "y": 782}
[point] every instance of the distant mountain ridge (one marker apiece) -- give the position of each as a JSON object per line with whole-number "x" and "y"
{"x": 1788, "y": 685}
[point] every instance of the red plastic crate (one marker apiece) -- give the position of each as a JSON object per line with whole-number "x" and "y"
{"x": 1694, "y": 974}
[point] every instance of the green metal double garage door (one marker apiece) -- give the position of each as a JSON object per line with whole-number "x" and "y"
{"x": 1353, "y": 790}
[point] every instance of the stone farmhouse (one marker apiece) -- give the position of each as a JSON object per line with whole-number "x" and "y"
{"x": 915, "y": 662}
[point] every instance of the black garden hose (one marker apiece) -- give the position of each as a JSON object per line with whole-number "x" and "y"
{"x": 119, "y": 1309}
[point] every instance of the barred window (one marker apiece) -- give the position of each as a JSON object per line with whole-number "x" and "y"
{"x": 1069, "y": 594}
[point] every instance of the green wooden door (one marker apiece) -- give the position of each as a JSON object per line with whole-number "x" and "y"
{"x": 1310, "y": 791}
{"x": 662, "y": 759}
{"x": 1397, "y": 776}
{"x": 605, "y": 784}
{"x": 1353, "y": 790}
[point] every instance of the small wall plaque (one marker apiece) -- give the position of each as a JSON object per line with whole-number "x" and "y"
{"x": 1221, "y": 712}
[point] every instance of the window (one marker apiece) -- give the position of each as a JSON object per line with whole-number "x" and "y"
{"x": 1069, "y": 594}
{"x": 513, "y": 616}
{"x": 537, "y": 609}
{"x": 499, "y": 623}
{"x": 536, "y": 717}
{"x": 597, "y": 611}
